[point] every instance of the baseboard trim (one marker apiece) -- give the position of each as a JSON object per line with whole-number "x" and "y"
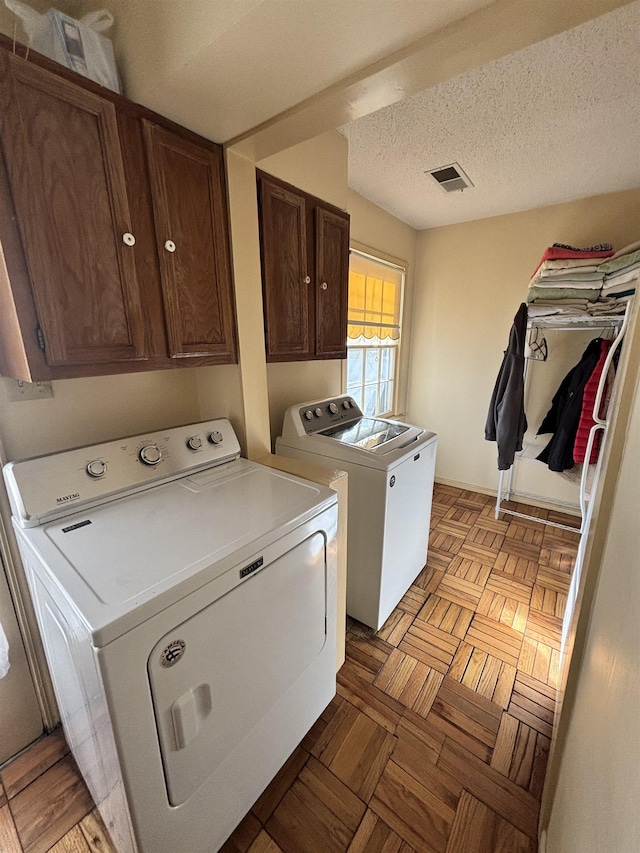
{"x": 467, "y": 486}
{"x": 523, "y": 497}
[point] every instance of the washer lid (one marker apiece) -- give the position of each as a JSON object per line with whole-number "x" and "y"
{"x": 367, "y": 433}
{"x": 121, "y": 562}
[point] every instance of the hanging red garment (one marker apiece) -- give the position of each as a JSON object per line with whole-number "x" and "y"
{"x": 586, "y": 415}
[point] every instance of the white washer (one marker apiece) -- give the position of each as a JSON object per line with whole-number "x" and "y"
{"x": 187, "y": 603}
{"x": 391, "y": 468}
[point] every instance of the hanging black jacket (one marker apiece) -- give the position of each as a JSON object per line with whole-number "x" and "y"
{"x": 563, "y": 417}
{"x": 506, "y": 421}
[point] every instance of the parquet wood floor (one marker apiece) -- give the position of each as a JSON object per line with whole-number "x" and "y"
{"x": 438, "y": 737}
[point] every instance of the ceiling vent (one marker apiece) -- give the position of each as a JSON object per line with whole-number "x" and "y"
{"x": 451, "y": 178}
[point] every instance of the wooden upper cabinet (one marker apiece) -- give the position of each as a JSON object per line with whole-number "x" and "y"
{"x": 304, "y": 245}
{"x": 285, "y": 274}
{"x": 114, "y": 234}
{"x": 332, "y": 275}
{"x": 188, "y": 191}
{"x": 64, "y": 163}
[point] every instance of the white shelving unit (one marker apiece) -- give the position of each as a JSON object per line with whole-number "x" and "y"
{"x": 618, "y": 324}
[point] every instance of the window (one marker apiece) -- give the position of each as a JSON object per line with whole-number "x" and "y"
{"x": 373, "y": 333}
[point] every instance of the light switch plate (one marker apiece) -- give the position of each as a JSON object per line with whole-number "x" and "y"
{"x": 18, "y": 390}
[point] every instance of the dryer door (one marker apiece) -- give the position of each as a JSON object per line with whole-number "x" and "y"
{"x": 215, "y": 676}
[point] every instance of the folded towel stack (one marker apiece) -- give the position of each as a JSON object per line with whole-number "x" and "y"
{"x": 621, "y": 273}
{"x": 576, "y": 282}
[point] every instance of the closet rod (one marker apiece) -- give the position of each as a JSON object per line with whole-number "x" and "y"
{"x": 580, "y": 323}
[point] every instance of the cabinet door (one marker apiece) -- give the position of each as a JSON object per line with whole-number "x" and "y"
{"x": 285, "y": 276}
{"x": 63, "y": 157}
{"x": 189, "y": 206}
{"x": 332, "y": 272}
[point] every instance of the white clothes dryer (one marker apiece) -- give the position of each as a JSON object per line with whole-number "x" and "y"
{"x": 391, "y": 469}
{"x": 187, "y": 603}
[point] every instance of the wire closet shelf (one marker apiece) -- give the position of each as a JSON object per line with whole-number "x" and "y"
{"x": 618, "y": 324}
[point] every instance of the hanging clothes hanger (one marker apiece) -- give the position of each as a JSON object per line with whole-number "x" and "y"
{"x": 537, "y": 343}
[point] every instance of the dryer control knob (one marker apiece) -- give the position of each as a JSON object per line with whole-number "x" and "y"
{"x": 150, "y": 454}
{"x": 308, "y": 414}
{"x": 194, "y": 443}
{"x": 333, "y": 408}
{"x": 215, "y": 437}
{"x": 97, "y": 468}
{"x": 318, "y": 412}
{"x": 346, "y": 404}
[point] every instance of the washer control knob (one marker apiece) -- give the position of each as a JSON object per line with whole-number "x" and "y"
{"x": 215, "y": 437}
{"x": 150, "y": 454}
{"x": 308, "y": 414}
{"x": 194, "y": 443}
{"x": 346, "y": 404}
{"x": 97, "y": 468}
{"x": 318, "y": 412}
{"x": 333, "y": 408}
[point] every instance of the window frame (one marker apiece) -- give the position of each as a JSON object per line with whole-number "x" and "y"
{"x": 398, "y": 371}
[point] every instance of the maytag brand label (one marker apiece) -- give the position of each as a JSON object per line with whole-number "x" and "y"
{"x": 173, "y": 652}
{"x": 66, "y": 498}
{"x": 252, "y": 568}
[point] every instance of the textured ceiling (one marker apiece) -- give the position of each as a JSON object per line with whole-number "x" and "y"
{"x": 554, "y": 122}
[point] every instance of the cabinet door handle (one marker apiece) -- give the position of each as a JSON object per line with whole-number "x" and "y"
{"x": 170, "y": 246}
{"x": 324, "y": 285}
{"x": 128, "y": 239}
{"x": 307, "y": 279}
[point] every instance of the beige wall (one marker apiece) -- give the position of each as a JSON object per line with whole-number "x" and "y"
{"x": 596, "y": 803}
{"x": 318, "y": 167}
{"x": 374, "y": 227}
{"x": 245, "y": 248}
{"x": 85, "y": 411}
{"x": 470, "y": 280}
{"x": 297, "y": 382}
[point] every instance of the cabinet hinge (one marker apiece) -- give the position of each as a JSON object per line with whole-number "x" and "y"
{"x": 40, "y": 338}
